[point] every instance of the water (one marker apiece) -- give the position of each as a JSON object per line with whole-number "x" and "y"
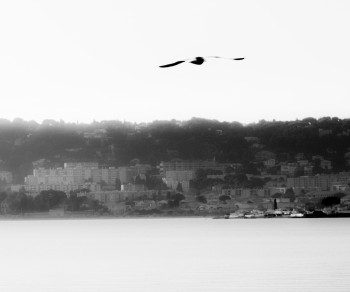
{"x": 193, "y": 254}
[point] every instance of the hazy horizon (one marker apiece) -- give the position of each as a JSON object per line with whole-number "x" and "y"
{"x": 99, "y": 60}
{"x": 160, "y": 120}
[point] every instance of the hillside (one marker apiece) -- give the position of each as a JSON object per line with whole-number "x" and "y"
{"x": 24, "y": 144}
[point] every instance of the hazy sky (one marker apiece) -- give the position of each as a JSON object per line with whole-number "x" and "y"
{"x": 98, "y": 60}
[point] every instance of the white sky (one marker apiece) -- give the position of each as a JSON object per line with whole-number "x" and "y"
{"x": 98, "y": 60}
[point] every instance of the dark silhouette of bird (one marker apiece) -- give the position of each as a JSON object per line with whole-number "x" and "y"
{"x": 197, "y": 61}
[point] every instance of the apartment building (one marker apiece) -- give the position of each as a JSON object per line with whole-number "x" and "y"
{"x": 245, "y": 193}
{"x": 71, "y": 177}
{"x": 289, "y": 169}
{"x": 322, "y": 182}
{"x": 191, "y": 165}
{"x": 174, "y": 177}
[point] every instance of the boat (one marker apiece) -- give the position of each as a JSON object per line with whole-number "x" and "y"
{"x": 286, "y": 213}
{"x": 254, "y": 214}
{"x": 234, "y": 215}
{"x": 249, "y": 216}
{"x": 270, "y": 214}
{"x": 296, "y": 214}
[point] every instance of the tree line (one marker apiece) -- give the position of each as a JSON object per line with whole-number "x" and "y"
{"x": 21, "y": 203}
{"x": 117, "y": 143}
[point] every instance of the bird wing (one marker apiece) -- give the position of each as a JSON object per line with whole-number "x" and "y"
{"x": 172, "y": 64}
{"x": 236, "y": 59}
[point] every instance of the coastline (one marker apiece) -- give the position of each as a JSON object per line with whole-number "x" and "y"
{"x": 80, "y": 216}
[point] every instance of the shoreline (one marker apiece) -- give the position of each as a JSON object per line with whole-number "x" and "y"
{"x": 46, "y": 216}
{"x": 36, "y": 216}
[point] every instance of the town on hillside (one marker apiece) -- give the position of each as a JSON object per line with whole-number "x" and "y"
{"x": 192, "y": 168}
{"x": 176, "y": 187}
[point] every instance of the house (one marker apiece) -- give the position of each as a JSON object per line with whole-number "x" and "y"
{"x": 345, "y": 200}
{"x": 340, "y": 187}
{"x": 326, "y": 164}
{"x": 270, "y": 162}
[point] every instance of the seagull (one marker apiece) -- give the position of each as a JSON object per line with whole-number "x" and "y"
{"x": 198, "y": 61}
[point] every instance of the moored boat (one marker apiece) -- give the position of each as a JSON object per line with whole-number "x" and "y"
{"x": 296, "y": 214}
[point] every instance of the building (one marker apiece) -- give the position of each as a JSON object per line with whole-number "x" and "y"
{"x": 6, "y": 177}
{"x": 132, "y": 187}
{"x": 289, "y": 169}
{"x": 275, "y": 190}
{"x": 191, "y": 165}
{"x": 72, "y": 176}
{"x": 270, "y": 162}
{"x": 126, "y": 174}
{"x": 175, "y": 177}
{"x": 300, "y": 156}
{"x": 245, "y": 193}
{"x": 340, "y": 188}
{"x": 80, "y": 165}
{"x": 317, "y": 157}
{"x": 303, "y": 162}
{"x": 326, "y": 164}
{"x": 321, "y": 182}
{"x": 308, "y": 170}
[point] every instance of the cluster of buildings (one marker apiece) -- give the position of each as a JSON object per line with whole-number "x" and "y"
{"x": 301, "y": 165}
{"x": 113, "y": 185}
{"x": 182, "y": 172}
{"x": 323, "y": 182}
{"x": 83, "y": 175}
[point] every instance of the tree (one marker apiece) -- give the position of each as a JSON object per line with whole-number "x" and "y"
{"x": 229, "y": 169}
{"x": 201, "y": 199}
{"x": 235, "y": 180}
{"x": 154, "y": 182}
{"x": 254, "y": 183}
{"x": 175, "y": 200}
{"x": 23, "y": 202}
{"x": 330, "y": 201}
{"x": 49, "y": 199}
{"x": 309, "y": 206}
{"x": 179, "y": 187}
{"x": 224, "y": 198}
{"x": 3, "y": 196}
{"x": 118, "y": 184}
{"x": 289, "y": 194}
{"x": 276, "y": 195}
{"x": 139, "y": 180}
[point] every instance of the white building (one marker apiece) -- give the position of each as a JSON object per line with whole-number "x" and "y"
{"x": 73, "y": 176}
{"x": 174, "y": 177}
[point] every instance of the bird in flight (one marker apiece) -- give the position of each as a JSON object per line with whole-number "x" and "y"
{"x": 197, "y": 61}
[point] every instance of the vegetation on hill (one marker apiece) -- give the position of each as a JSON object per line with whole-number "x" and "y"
{"x": 27, "y": 144}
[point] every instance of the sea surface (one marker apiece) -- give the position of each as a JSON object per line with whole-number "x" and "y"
{"x": 187, "y": 254}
